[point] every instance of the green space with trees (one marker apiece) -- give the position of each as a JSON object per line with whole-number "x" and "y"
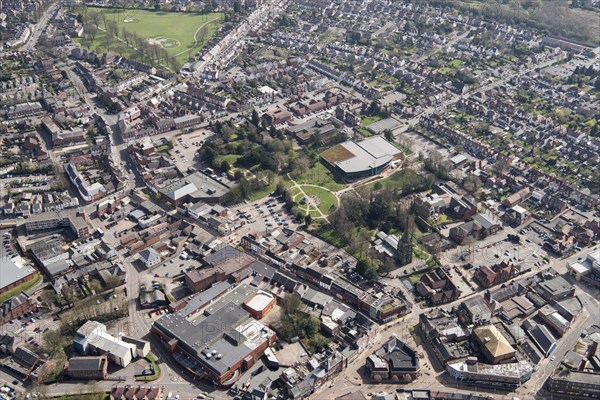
{"x": 297, "y": 324}
{"x": 159, "y": 38}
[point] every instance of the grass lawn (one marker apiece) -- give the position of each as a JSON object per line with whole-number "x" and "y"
{"x": 327, "y": 234}
{"x": 230, "y": 158}
{"x": 327, "y": 200}
{"x": 263, "y": 192}
{"x": 370, "y": 120}
{"x": 319, "y": 175}
{"x": 21, "y": 288}
{"x": 456, "y": 63}
{"x": 400, "y": 180}
{"x": 156, "y": 375}
{"x": 179, "y": 33}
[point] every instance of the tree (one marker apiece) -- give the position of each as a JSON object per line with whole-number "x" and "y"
{"x": 48, "y": 298}
{"x": 501, "y": 166}
{"x": 389, "y": 136}
{"x": 91, "y": 30}
{"x": 280, "y": 188}
{"x": 94, "y": 18}
{"x": 68, "y": 294}
{"x": 225, "y": 166}
{"x": 290, "y": 303}
{"x": 255, "y": 118}
{"x": 371, "y": 275}
{"x": 307, "y": 220}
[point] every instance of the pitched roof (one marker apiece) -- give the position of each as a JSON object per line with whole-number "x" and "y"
{"x": 490, "y": 337}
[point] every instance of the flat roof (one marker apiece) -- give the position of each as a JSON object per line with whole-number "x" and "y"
{"x": 260, "y": 300}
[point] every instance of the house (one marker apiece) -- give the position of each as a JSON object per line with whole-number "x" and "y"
{"x": 129, "y": 392}
{"x": 149, "y": 257}
{"x": 516, "y": 215}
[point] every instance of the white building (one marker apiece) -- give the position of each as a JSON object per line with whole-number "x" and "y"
{"x": 92, "y": 337}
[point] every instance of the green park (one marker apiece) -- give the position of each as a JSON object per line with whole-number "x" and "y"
{"x": 119, "y": 30}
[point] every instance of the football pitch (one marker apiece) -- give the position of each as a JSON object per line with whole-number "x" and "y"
{"x": 181, "y": 34}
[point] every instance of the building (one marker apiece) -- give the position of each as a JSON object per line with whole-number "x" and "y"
{"x": 516, "y": 215}
{"x": 580, "y": 384}
{"x": 88, "y": 367}
{"x": 512, "y": 375}
{"x": 555, "y": 289}
{"x": 14, "y": 307}
{"x": 437, "y": 287}
{"x": 494, "y": 274}
{"x": 357, "y": 160}
{"x": 394, "y": 361}
{"x": 276, "y": 116}
{"x": 218, "y": 346}
{"x": 260, "y": 305}
{"x": 92, "y": 337}
{"x": 493, "y": 344}
{"x": 587, "y": 269}
{"x": 315, "y": 129}
{"x": 56, "y": 220}
{"x": 142, "y": 346}
{"x": 87, "y": 192}
{"x": 13, "y": 273}
{"x": 481, "y": 226}
{"x": 129, "y": 392}
{"x": 149, "y": 257}
{"x": 541, "y": 336}
{"x": 224, "y": 264}
{"x": 193, "y": 188}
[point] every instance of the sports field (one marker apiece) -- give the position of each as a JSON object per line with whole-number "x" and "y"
{"x": 181, "y": 34}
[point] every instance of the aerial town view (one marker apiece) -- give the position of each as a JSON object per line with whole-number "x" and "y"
{"x": 300, "y": 199}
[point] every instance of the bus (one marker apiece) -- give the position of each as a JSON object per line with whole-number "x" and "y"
{"x": 99, "y": 232}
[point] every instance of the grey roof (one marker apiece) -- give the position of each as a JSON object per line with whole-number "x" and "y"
{"x": 485, "y": 220}
{"x": 223, "y": 255}
{"x": 204, "y": 297}
{"x": 58, "y": 267}
{"x": 314, "y": 297}
{"x": 137, "y": 214}
{"x": 86, "y": 363}
{"x": 556, "y": 285}
{"x": 197, "y": 337}
{"x": 542, "y": 338}
{"x": 149, "y": 254}
{"x": 11, "y": 272}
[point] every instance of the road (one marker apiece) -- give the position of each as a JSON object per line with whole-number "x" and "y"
{"x": 38, "y": 28}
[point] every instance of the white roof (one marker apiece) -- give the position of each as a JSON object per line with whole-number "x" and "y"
{"x": 260, "y": 301}
{"x": 579, "y": 268}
